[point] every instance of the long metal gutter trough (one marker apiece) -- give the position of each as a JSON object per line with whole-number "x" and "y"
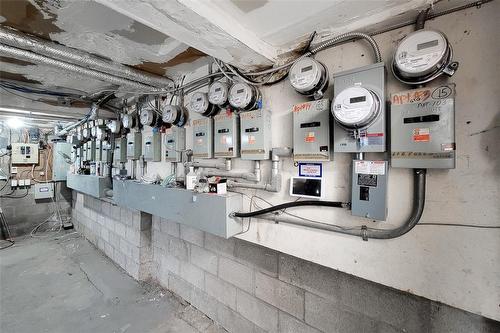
{"x": 203, "y": 211}
{"x": 95, "y": 186}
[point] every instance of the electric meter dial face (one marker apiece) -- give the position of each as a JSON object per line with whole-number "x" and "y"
{"x": 79, "y": 134}
{"x": 421, "y": 53}
{"x": 355, "y": 107}
{"x": 86, "y": 133}
{"x": 242, "y": 96}
{"x": 100, "y": 133}
{"x": 128, "y": 121}
{"x": 114, "y": 126}
{"x": 218, "y": 93}
{"x": 199, "y": 103}
{"x": 93, "y": 131}
{"x": 306, "y": 74}
{"x": 169, "y": 113}
{"x": 147, "y": 117}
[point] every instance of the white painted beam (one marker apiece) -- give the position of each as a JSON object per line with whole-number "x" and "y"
{"x": 201, "y": 29}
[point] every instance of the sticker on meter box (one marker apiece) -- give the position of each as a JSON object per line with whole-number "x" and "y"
{"x": 369, "y": 167}
{"x": 421, "y": 135}
{"x": 310, "y": 170}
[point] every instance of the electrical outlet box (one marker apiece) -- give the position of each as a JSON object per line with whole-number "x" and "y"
{"x": 13, "y": 183}
{"x": 203, "y": 138}
{"x": 134, "y": 145}
{"x": 423, "y": 128}
{"x": 255, "y": 134}
{"x": 43, "y": 191}
{"x": 13, "y": 170}
{"x": 120, "y": 151}
{"x": 152, "y": 147}
{"x": 20, "y": 182}
{"x": 27, "y": 182}
{"x": 311, "y": 131}
{"x": 174, "y": 141}
{"x": 369, "y": 189}
{"x": 60, "y": 158}
{"x": 360, "y": 102}
{"x": 226, "y": 135}
{"x": 24, "y": 153}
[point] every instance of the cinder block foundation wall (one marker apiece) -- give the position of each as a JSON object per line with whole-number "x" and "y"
{"x": 249, "y": 288}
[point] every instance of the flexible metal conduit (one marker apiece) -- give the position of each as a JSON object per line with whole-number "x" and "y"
{"x": 37, "y": 45}
{"x": 364, "y": 232}
{"x": 14, "y": 52}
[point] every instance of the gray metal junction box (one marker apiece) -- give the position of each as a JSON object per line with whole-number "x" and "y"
{"x": 227, "y": 135}
{"x": 255, "y": 129}
{"x": 174, "y": 141}
{"x": 203, "y": 138}
{"x": 369, "y": 189}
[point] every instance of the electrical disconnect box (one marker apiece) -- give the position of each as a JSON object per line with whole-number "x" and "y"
{"x": 106, "y": 151}
{"x": 120, "y": 151}
{"x": 98, "y": 151}
{"x": 359, "y": 110}
{"x": 423, "y": 128}
{"x": 43, "y": 191}
{"x": 255, "y": 133}
{"x": 91, "y": 150}
{"x": 369, "y": 189}
{"x": 61, "y": 160}
{"x": 311, "y": 131}
{"x": 203, "y": 138}
{"x": 174, "y": 141}
{"x": 134, "y": 145}
{"x": 152, "y": 147}
{"x": 227, "y": 135}
{"x": 24, "y": 153}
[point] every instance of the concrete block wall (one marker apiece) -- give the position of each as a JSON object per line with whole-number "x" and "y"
{"x": 124, "y": 235}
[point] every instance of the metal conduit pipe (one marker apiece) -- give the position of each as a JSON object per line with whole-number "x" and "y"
{"x": 206, "y": 164}
{"x": 16, "y": 53}
{"x": 84, "y": 59}
{"x": 365, "y": 232}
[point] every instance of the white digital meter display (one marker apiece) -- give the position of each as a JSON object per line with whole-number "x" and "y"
{"x": 309, "y": 77}
{"x": 218, "y": 93}
{"x": 243, "y": 96}
{"x": 114, "y": 126}
{"x": 199, "y": 103}
{"x": 128, "y": 121}
{"x": 174, "y": 114}
{"x": 148, "y": 116}
{"x": 356, "y": 107}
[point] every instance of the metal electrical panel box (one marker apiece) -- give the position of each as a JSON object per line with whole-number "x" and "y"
{"x": 91, "y": 148}
{"x": 152, "y": 147}
{"x": 134, "y": 145}
{"x": 373, "y": 137}
{"x": 24, "y": 153}
{"x": 120, "y": 151}
{"x": 43, "y": 191}
{"x": 106, "y": 151}
{"x": 174, "y": 141}
{"x": 255, "y": 133}
{"x": 369, "y": 189}
{"x": 98, "y": 151}
{"x": 423, "y": 128}
{"x": 60, "y": 166}
{"x": 226, "y": 135}
{"x": 203, "y": 138}
{"x": 311, "y": 131}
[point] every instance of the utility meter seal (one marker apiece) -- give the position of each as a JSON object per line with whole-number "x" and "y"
{"x": 243, "y": 96}
{"x": 356, "y": 108}
{"x": 174, "y": 114}
{"x": 309, "y": 77}
{"x": 218, "y": 94}
{"x": 422, "y": 56}
{"x": 199, "y": 103}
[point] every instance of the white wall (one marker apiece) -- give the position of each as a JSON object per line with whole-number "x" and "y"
{"x": 457, "y": 266}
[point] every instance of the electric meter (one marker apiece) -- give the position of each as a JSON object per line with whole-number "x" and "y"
{"x": 114, "y": 126}
{"x": 93, "y": 131}
{"x": 128, "y": 121}
{"x": 356, "y": 107}
{"x": 86, "y": 132}
{"x": 148, "y": 116}
{"x": 309, "y": 77}
{"x": 174, "y": 114}
{"x": 422, "y": 56}
{"x": 218, "y": 94}
{"x": 199, "y": 103}
{"x": 100, "y": 133}
{"x": 243, "y": 96}
{"x": 79, "y": 134}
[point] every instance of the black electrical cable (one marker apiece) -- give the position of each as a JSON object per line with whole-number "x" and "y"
{"x": 335, "y": 204}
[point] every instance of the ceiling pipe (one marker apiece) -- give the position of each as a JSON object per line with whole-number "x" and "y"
{"x": 81, "y": 58}
{"x": 13, "y": 52}
{"x": 9, "y": 111}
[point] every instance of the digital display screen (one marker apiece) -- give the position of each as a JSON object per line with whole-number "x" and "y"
{"x": 199, "y": 99}
{"x": 306, "y": 186}
{"x": 357, "y": 99}
{"x": 306, "y": 69}
{"x": 428, "y": 44}
{"x": 217, "y": 89}
{"x": 240, "y": 91}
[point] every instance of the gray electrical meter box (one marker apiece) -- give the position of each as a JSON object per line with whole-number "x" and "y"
{"x": 359, "y": 110}
{"x": 106, "y": 151}
{"x": 311, "y": 131}
{"x": 62, "y": 155}
{"x": 174, "y": 141}
{"x": 226, "y": 135}
{"x": 43, "y": 191}
{"x": 98, "y": 151}
{"x": 203, "y": 138}
{"x": 89, "y": 150}
{"x": 369, "y": 189}
{"x": 120, "y": 151}
{"x": 152, "y": 147}
{"x": 134, "y": 145}
{"x": 255, "y": 133}
{"x": 423, "y": 128}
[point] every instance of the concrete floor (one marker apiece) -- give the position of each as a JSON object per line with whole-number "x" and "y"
{"x": 64, "y": 284}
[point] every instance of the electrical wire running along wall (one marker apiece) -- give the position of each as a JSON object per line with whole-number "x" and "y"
{"x": 451, "y": 264}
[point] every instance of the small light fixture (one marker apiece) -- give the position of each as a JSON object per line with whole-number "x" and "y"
{"x": 15, "y": 122}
